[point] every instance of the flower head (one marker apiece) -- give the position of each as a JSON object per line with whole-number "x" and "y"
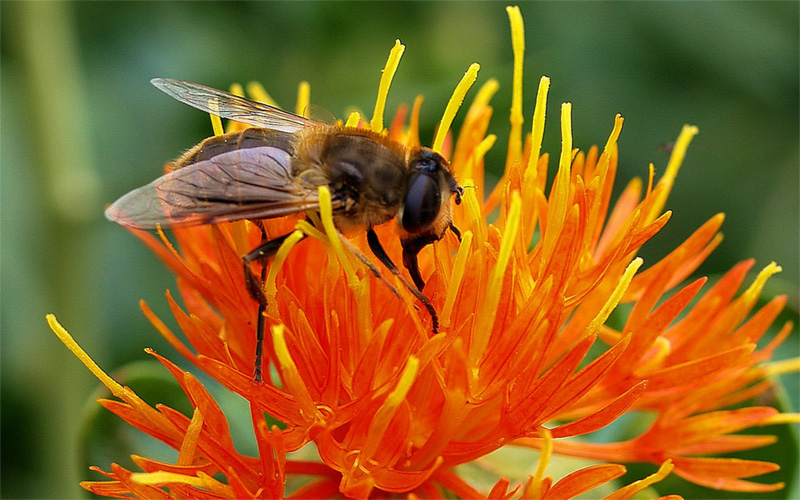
{"x": 354, "y": 369}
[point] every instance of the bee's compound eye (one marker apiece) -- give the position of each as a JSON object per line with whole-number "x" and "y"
{"x": 422, "y": 203}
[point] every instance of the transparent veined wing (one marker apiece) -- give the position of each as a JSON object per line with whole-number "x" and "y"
{"x": 254, "y": 183}
{"x": 232, "y": 107}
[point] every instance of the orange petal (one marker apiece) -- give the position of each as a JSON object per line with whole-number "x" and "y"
{"x": 603, "y": 416}
{"x": 585, "y": 479}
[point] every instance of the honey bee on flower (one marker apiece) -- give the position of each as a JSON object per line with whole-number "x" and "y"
{"x": 276, "y": 168}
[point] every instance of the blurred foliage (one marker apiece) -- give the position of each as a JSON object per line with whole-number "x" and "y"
{"x": 81, "y": 125}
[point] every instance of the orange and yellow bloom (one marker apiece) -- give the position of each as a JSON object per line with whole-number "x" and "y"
{"x": 392, "y": 408}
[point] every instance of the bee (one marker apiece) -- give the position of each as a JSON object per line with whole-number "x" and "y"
{"x": 275, "y": 167}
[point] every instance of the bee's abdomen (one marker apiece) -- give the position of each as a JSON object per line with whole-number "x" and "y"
{"x": 240, "y": 139}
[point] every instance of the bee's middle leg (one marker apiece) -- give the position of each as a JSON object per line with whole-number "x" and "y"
{"x": 255, "y": 286}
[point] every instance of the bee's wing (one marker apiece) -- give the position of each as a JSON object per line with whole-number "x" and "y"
{"x": 232, "y": 107}
{"x": 254, "y": 183}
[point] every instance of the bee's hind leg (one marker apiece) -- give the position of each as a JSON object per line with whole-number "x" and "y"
{"x": 255, "y": 286}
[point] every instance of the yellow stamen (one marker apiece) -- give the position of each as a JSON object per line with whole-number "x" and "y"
{"x": 383, "y": 417}
{"x": 474, "y": 210}
{"x": 257, "y": 92}
{"x": 753, "y": 291}
{"x": 123, "y": 393}
{"x": 545, "y": 453}
{"x": 353, "y": 119}
{"x": 565, "y": 160}
{"x": 270, "y": 285}
{"x": 615, "y": 297}
{"x": 459, "y": 267}
{"x": 303, "y": 99}
{"x": 161, "y": 477}
{"x": 537, "y": 129}
{"x": 216, "y": 121}
{"x": 478, "y": 153}
{"x": 783, "y": 367}
{"x": 63, "y": 335}
{"x": 474, "y": 123}
{"x": 484, "y": 146}
{"x": 611, "y": 143}
{"x": 559, "y": 195}
{"x": 189, "y": 444}
{"x": 486, "y": 92}
{"x": 236, "y": 89}
{"x": 675, "y": 160}
{"x": 291, "y": 376}
{"x": 336, "y": 242}
{"x": 407, "y": 379}
{"x": 630, "y": 490}
{"x": 486, "y": 317}
{"x": 413, "y": 122}
{"x": 516, "y": 118}
{"x": 310, "y": 230}
{"x": 453, "y": 104}
{"x": 679, "y": 151}
{"x": 662, "y": 472}
{"x": 389, "y": 70}
{"x": 601, "y": 171}
{"x": 326, "y": 214}
{"x": 781, "y": 419}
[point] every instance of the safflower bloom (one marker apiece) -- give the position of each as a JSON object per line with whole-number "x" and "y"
{"x": 391, "y": 408}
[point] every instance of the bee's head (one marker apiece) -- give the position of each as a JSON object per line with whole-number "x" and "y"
{"x": 426, "y": 211}
{"x": 426, "y": 203}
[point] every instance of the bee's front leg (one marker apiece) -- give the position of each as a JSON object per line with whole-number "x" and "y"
{"x": 411, "y": 248}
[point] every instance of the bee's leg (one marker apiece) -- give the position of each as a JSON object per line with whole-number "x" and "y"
{"x": 255, "y": 286}
{"x": 364, "y": 260}
{"x": 455, "y": 231}
{"x": 380, "y": 253}
{"x": 411, "y": 248}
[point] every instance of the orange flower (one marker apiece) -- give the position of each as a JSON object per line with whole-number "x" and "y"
{"x": 391, "y": 407}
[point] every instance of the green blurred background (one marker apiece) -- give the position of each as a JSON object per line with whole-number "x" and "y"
{"x": 81, "y": 125}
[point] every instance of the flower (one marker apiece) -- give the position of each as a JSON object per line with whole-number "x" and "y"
{"x": 390, "y": 407}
